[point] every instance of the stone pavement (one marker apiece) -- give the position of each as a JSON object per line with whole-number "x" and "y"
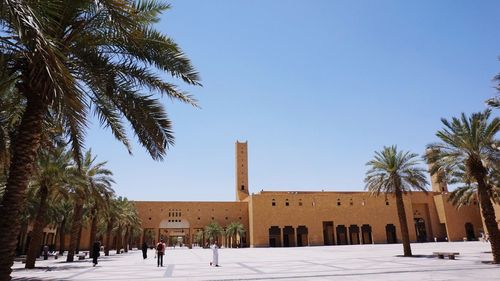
{"x": 357, "y": 262}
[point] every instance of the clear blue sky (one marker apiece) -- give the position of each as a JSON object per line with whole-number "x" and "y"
{"x": 315, "y": 87}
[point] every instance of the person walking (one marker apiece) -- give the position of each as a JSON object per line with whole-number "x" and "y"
{"x": 45, "y": 252}
{"x": 160, "y": 251}
{"x": 215, "y": 255}
{"x": 144, "y": 250}
{"x": 96, "y": 248}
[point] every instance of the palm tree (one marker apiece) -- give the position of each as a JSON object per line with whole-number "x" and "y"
{"x": 110, "y": 218}
{"x": 60, "y": 214}
{"x": 51, "y": 176}
{"x": 94, "y": 179}
{"x": 127, "y": 221}
{"x": 396, "y": 172}
{"x": 213, "y": 230}
{"x": 234, "y": 229}
{"x": 74, "y": 57}
{"x": 466, "y": 193}
{"x": 469, "y": 142}
{"x": 198, "y": 238}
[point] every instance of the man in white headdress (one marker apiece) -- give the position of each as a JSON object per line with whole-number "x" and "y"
{"x": 215, "y": 252}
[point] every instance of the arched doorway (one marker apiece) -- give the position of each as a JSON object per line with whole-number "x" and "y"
{"x": 302, "y": 236}
{"x": 390, "y": 231}
{"x": 354, "y": 234}
{"x": 341, "y": 235}
{"x": 288, "y": 236}
{"x": 274, "y": 236}
{"x": 420, "y": 230}
{"x": 175, "y": 232}
{"x": 469, "y": 231}
{"x": 328, "y": 235}
{"x": 366, "y": 234}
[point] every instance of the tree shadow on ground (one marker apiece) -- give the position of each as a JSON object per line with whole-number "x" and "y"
{"x": 417, "y": 256}
{"x": 49, "y": 268}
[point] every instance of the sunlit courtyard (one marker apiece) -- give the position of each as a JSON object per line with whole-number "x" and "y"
{"x": 360, "y": 262}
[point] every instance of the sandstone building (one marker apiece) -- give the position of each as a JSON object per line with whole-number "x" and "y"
{"x": 296, "y": 218}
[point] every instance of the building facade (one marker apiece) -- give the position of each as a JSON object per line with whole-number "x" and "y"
{"x": 305, "y": 218}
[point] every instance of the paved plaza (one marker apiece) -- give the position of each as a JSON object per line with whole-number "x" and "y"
{"x": 358, "y": 262}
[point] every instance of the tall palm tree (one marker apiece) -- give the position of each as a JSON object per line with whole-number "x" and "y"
{"x": 95, "y": 179}
{"x": 469, "y": 142}
{"x": 126, "y": 222}
{"x": 396, "y": 172}
{"x": 466, "y": 193}
{"x": 60, "y": 215}
{"x": 110, "y": 219}
{"x": 233, "y": 229}
{"x": 213, "y": 230}
{"x": 72, "y": 57}
{"x": 51, "y": 176}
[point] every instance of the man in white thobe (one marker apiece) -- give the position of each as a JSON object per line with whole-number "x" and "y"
{"x": 215, "y": 252}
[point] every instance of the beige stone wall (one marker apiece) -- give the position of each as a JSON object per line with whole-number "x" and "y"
{"x": 189, "y": 216}
{"x": 356, "y": 208}
{"x": 455, "y": 219}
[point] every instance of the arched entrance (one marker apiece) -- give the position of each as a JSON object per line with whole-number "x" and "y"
{"x": 288, "y": 236}
{"x": 174, "y": 232}
{"x": 274, "y": 236}
{"x": 354, "y": 234}
{"x": 420, "y": 230}
{"x": 390, "y": 231}
{"x": 469, "y": 231}
{"x": 366, "y": 234}
{"x": 328, "y": 235}
{"x": 341, "y": 235}
{"x": 302, "y": 236}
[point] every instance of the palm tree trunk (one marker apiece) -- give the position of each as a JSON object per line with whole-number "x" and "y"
{"x": 61, "y": 236}
{"x": 126, "y": 239}
{"x": 108, "y": 237}
{"x": 118, "y": 240}
{"x": 24, "y": 148}
{"x": 402, "y": 222}
{"x": 93, "y": 231}
{"x": 22, "y": 242}
{"x": 37, "y": 233}
{"x": 488, "y": 213}
{"x": 75, "y": 229}
{"x": 79, "y": 239}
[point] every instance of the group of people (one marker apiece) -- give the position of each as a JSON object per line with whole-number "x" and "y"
{"x": 160, "y": 252}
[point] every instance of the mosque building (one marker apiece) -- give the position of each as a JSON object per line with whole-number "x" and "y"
{"x": 310, "y": 218}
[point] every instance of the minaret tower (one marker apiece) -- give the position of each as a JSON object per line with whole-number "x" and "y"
{"x": 241, "y": 171}
{"x": 438, "y": 181}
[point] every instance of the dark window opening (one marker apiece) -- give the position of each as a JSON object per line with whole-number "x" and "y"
{"x": 242, "y": 187}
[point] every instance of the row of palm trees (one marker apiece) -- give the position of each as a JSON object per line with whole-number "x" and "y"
{"x": 468, "y": 154}
{"x": 213, "y": 231}
{"x": 60, "y": 62}
{"x": 68, "y": 197}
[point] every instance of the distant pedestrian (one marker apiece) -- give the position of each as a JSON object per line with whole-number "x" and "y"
{"x": 160, "y": 251}
{"x": 45, "y": 252}
{"x": 96, "y": 248}
{"x": 215, "y": 254}
{"x": 144, "y": 250}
